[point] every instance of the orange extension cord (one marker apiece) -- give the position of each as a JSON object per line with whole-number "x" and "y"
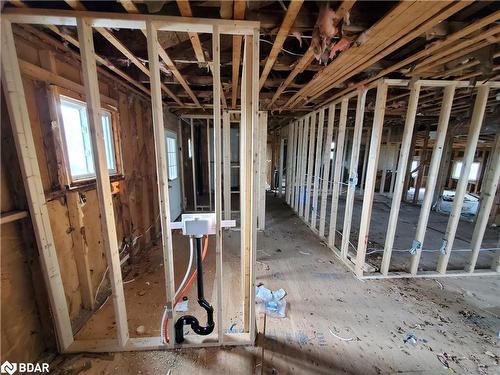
{"x": 186, "y": 287}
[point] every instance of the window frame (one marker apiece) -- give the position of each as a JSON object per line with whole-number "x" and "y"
{"x": 75, "y": 182}
{"x": 469, "y": 180}
{"x": 176, "y": 154}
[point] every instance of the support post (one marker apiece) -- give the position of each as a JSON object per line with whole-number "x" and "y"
{"x": 108, "y": 226}
{"x": 444, "y": 117}
{"x": 371, "y": 176}
{"x": 468, "y": 158}
{"x": 400, "y": 176}
{"x": 344, "y": 107}
{"x": 26, "y": 153}
{"x": 353, "y": 172}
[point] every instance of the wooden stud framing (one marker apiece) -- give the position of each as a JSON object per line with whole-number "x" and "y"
{"x": 226, "y": 139}
{"x": 289, "y": 158}
{"x": 317, "y": 167}
{"x": 297, "y": 163}
{"x": 255, "y": 61}
{"x": 365, "y": 160}
{"x": 402, "y": 166}
{"x": 181, "y": 162}
{"x": 127, "y": 21}
{"x": 326, "y": 169}
{"x": 246, "y": 178}
{"x": 384, "y": 169}
{"x": 80, "y": 249}
{"x": 488, "y": 192}
{"x": 444, "y": 118}
{"x": 12, "y": 82}
{"x": 25, "y": 147}
{"x": 108, "y": 227}
{"x": 193, "y": 166}
{"x": 378, "y": 123}
{"x": 218, "y": 179}
{"x": 353, "y": 172}
{"x": 12, "y": 216}
{"x": 468, "y": 159}
{"x": 303, "y": 166}
{"x": 161, "y": 170}
{"x": 280, "y": 167}
{"x": 262, "y": 168}
{"x": 310, "y": 162}
{"x": 398, "y": 180}
{"x": 339, "y": 151}
{"x": 209, "y": 161}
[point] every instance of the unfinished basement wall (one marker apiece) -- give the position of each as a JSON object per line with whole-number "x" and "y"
{"x": 74, "y": 211}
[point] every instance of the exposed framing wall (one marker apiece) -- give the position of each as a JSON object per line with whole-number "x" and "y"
{"x": 300, "y": 163}
{"x": 23, "y": 137}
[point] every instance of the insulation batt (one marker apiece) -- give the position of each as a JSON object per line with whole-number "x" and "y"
{"x": 324, "y": 30}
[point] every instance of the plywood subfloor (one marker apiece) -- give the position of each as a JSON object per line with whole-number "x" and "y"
{"x": 458, "y": 317}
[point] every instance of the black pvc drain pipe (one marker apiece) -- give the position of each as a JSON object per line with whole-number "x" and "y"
{"x": 189, "y": 319}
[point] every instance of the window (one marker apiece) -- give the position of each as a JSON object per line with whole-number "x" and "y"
{"x": 473, "y": 174}
{"x": 172, "y": 158}
{"x": 414, "y": 166}
{"x": 332, "y": 149}
{"x": 77, "y": 137}
{"x": 190, "y": 151}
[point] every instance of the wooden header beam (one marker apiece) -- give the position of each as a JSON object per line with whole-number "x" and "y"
{"x": 128, "y": 21}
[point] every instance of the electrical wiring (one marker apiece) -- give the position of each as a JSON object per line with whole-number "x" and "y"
{"x": 284, "y": 50}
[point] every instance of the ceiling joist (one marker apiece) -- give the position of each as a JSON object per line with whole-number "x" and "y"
{"x": 308, "y": 57}
{"x": 77, "y": 5}
{"x": 131, "y": 8}
{"x": 286, "y": 25}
